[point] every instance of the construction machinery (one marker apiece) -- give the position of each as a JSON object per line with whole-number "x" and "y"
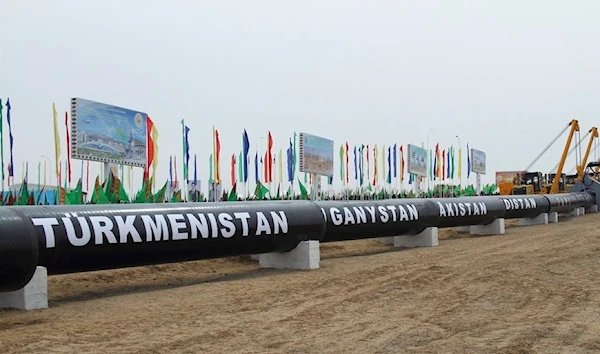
{"x": 530, "y": 182}
{"x": 581, "y": 168}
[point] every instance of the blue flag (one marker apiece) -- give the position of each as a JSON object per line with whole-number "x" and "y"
{"x": 389, "y": 161}
{"x": 395, "y": 162}
{"x": 245, "y": 151}
{"x": 195, "y": 172}
{"x": 468, "y": 161}
{"x": 171, "y": 169}
{"x": 187, "y": 153}
{"x": 11, "y": 165}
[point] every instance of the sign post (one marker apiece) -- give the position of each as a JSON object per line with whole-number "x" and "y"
{"x": 316, "y": 158}
{"x": 417, "y": 158}
{"x": 478, "y": 166}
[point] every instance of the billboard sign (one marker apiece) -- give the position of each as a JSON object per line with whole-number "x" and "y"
{"x": 478, "y": 161}
{"x": 105, "y": 133}
{"x": 316, "y": 155}
{"x": 417, "y": 160}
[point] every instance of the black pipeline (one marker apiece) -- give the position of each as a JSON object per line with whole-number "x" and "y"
{"x": 377, "y": 218}
{"x": 68, "y": 239}
{"x": 469, "y": 211}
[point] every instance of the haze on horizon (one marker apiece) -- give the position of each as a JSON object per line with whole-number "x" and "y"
{"x": 505, "y": 77}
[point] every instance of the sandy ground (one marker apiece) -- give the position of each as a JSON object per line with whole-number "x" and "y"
{"x": 533, "y": 290}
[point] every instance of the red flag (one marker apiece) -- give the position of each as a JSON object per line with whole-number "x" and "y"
{"x": 150, "y": 147}
{"x": 401, "y": 164}
{"x": 266, "y": 168}
{"x": 269, "y": 158}
{"x": 218, "y": 158}
{"x": 443, "y": 164}
{"x": 375, "y": 165}
{"x": 233, "y": 171}
{"x": 68, "y": 147}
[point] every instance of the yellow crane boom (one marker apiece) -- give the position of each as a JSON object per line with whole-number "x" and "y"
{"x": 581, "y": 168}
{"x": 574, "y": 124}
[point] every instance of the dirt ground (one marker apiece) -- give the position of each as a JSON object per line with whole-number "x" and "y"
{"x": 533, "y": 290}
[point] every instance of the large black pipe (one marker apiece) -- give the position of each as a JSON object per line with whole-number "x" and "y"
{"x": 377, "y": 218}
{"x": 567, "y": 202}
{"x": 68, "y": 239}
{"x": 525, "y": 206}
{"x": 469, "y": 211}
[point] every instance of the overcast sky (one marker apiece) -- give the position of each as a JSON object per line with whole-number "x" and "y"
{"x": 506, "y": 76}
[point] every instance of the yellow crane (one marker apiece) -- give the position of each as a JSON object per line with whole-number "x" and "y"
{"x": 574, "y": 124}
{"x": 581, "y": 168}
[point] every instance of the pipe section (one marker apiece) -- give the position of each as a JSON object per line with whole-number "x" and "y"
{"x": 469, "y": 211}
{"x": 69, "y": 239}
{"x": 377, "y": 218}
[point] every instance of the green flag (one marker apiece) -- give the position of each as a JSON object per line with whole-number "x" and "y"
{"x": 261, "y": 191}
{"x": 185, "y": 167}
{"x": 76, "y": 195}
{"x": 303, "y": 191}
{"x": 98, "y": 197}
{"x": 232, "y": 197}
{"x": 159, "y": 197}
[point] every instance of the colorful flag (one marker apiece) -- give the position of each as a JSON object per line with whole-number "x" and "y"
{"x": 216, "y": 156}
{"x": 389, "y": 161}
{"x": 361, "y": 164}
{"x": 269, "y": 159}
{"x": 443, "y": 165}
{"x": 383, "y": 162}
{"x": 11, "y": 166}
{"x": 233, "y": 160}
{"x": 395, "y": 161}
{"x": 468, "y": 162}
{"x": 171, "y": 170}
{"x": 290, "y": 162}
{"x": 195, "y": 172}
{"x": 375, "y": 152}
{"x": 401, "y": 164}
{"x": 151, "y": 154}
{"x": 186, "y": 151}
{"x": 67, "y": 147}
{"x": 245, "y": 151}
{"x": 347, "y": 170}
{"x": 295, "y": 158}
{"x": 355, "y": 165}
{"x": 368, "y": 164}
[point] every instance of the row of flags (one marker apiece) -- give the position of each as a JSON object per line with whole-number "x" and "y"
{"x": 371, "y": 165}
